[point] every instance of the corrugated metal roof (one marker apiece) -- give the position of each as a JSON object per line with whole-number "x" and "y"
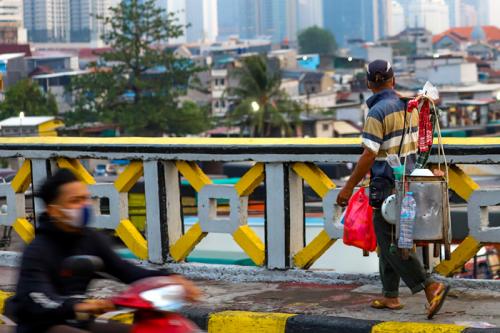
{"x": 9, "y": 56}
{"x": 26, "y": 121}
{"x": 344, "y": 128}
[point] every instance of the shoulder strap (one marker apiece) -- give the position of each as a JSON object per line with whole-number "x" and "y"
{"x": 405, "y": 101}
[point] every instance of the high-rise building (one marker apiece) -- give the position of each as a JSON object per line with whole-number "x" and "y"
{"x": 352, "y": 19}
{"x": 202, "y": 17}
{"x": 310, "y": 13}
{"x": 12, "y": 29}
{"x": 228, "y": 13}
{"x": 398, "y": 20}
{"x": 47, "y": 20}
{"x": 85, "y": 27}
{"x": 430, "y": 14}
{"x": 277, "y": 19}
{"x": 489, "y": 12}
{"x": 237, "y": 17}
{"x": 469, "y": 15}
{"x": 384, "y": 8}
{"x": 455, "y": 9}
{"x": 179, "y": 8}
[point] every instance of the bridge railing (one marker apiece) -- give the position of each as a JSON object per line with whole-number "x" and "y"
{"x": 283, "y": 165}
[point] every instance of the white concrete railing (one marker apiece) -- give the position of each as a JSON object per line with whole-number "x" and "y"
{"x": 281, "y": 164}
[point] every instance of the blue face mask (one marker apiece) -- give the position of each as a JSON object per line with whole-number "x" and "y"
{"x": 78, "y": 217}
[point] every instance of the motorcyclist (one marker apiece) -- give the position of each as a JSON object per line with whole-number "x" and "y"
{"x": 45, "y": 297}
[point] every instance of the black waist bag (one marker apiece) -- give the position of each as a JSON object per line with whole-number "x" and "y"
{"x": 380, "y": 189}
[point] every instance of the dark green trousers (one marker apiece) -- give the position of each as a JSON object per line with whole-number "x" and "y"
{"x": 393, "y": 267}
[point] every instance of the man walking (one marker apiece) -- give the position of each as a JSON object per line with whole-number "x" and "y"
{"x": 382, "y": 135}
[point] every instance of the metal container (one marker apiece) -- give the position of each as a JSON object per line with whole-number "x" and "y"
{"x": 433, "y": 209}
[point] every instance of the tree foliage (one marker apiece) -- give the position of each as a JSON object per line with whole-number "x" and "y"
{"x": 28, "y": 97}
{"x": 317, "y": 40}
{"x": 404, "y": 48}
{"x": 140, "y": 89}
{"x": 263, "y": 105}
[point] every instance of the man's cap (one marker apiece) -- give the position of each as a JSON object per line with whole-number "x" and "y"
{"x": 379, "y": 71}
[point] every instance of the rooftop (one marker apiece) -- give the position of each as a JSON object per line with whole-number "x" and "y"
{"x": 471, "y": 88}
{"x": 59, "y": 74}
{"x": 465, "y": 34}
{"x": 15, "y": 48}
{"x": 9, "y": 56}
{"x": 26, "y": 121}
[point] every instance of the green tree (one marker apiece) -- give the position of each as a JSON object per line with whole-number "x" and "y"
{"x": 140, "y": 92}
{"x": 263, "y": 105}
{"x": 404, "y": 48}
{"x": 317, "y": 40}
{"x": 28, "y": 97}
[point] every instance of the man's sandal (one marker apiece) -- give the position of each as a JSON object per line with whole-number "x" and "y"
{"x": 438, "y": 301}
{"x": 378, "y": 304}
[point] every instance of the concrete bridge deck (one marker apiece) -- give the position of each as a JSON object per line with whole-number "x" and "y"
{"x": 469, "y": 302}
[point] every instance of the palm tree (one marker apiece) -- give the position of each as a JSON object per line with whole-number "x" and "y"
{"x": 262, "y": 105}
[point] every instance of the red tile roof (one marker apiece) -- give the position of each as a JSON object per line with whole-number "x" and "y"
{"x": 91, "y": 53}
{"x": 15, "y": 48}
{"x": 41, "y": 70}
{"x": 464, "y": 34}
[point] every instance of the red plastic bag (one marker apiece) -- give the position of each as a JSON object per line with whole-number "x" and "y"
{"x": 358, "y": 222}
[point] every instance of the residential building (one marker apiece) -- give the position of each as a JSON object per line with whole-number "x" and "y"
{"x": 421, "y": 37}
{"x": 478, "y": 91}
{"x": 12, "y": 69}
{"x": 473, "y": 114}
{"x": 12, "y": 29}
{"x": 282, "y": 59}
{"x": 57, "y": 83}
{"x": 369, "y": 51}
{"x": 351, "y": 19}
{"x": 225, "y": 49}
{"x": 30, "y": 126}
{"x": 51, "y": 62}
{"x": 47, "y": 20}
{"x": 430, "y": 14}
{"x": 310, "y": 13}
{"x": 446, "y": 70}
{"x": 328, "y": 127}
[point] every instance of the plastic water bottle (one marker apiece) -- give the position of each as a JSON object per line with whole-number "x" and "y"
{"x": 407, "y": 221}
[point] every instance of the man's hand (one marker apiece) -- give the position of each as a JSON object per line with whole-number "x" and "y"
{"x": 94, "y": 306}
{"x": 193, "y": 293}
{"x": 438, "y": 173}
{"x": 344, "y": 196}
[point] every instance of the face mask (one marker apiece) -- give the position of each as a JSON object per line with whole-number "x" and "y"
{"x": 78, "y": 217}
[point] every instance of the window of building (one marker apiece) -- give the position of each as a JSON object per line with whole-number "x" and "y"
{"x": 326, "y": 127}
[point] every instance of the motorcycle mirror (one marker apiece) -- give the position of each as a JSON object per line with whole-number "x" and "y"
{"x": 83, "y": 265}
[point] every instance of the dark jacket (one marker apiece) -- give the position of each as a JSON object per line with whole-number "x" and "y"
{"x": 43, "y": 295}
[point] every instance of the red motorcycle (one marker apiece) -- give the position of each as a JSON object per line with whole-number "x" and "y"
{"x": 154, "y": 302}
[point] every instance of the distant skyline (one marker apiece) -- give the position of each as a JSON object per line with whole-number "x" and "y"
{"x": 277, "y": 20}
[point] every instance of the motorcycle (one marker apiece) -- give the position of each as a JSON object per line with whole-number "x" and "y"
{"x": 153, "y": 302}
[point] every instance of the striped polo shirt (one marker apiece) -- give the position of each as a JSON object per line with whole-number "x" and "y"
{"x": 383, "y": 130}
